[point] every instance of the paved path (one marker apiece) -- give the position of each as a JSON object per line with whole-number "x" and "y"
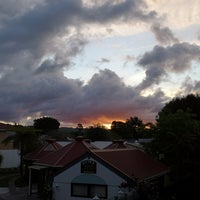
{"x": 18, "y": 194}
{"x": 13, "y": 193}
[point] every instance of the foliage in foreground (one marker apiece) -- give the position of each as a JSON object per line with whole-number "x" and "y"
{"x": 177, "y": 143}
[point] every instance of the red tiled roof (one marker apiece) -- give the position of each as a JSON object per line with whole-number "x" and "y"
{"x": 130, "y": 162}
{"x": 49, "y": 147}
{"x": 67, "y": 154}
{"x": 118, "y": 144}
{"x": 133, "y": 163}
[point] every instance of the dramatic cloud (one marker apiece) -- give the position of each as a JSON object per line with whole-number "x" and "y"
{"x": 189, "y": 86}
{"x": 105, "y": 97}
{"x": 47, "y": 28}
{"x": 163, "y": 60}
{"x": 163, "y": 35}
{"x": 14, "y": 8}
{"x": 40, "y": 40}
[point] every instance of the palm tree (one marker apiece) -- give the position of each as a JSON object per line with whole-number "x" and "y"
{"x": 25, "y": 140}
{"x": 133, "y": 125}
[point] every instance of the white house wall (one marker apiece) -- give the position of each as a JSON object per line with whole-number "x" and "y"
{"x": 11, "y": 158}
{"x": 62, "y": 182}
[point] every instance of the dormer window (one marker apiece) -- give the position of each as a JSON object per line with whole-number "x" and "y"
{"x": 88, "y": 167}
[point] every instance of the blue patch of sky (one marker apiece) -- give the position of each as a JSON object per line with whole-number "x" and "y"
{"x": 115, "y": 50}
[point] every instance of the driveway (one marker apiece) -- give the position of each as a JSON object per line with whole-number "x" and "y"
{"x": 18, "y": 194}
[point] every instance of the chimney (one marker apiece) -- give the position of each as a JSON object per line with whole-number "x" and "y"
{"x": 51, "y": 140}
{"x": 79, "y": 138}
{"x": 118, "y": 141}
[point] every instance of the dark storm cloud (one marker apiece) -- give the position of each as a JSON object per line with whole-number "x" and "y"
{"x": 34, "y": 31}
{"x": 189, "y": 86}
{"x": 126, "y": 10}
{"x": 163, "y": 34}
{"x": 164, "y": 60}
{"x": 153, "y": 75}
{"x": 39, "y": 39}
{"x": 71, "y": 101}
{"x": 14, "y": 8}
{"x": 106, "y": 96}
{"x": 51, "y": 18}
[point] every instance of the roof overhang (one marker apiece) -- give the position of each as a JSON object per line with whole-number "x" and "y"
{"x": 155, "y": 176}
{"x": 89, "y": 179}
{"x": 37, "y": 167}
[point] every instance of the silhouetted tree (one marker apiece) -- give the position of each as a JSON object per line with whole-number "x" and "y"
{"x": 46, "y": 124}
{"x": 97, "y": 132}
{"x": 134, "y": 126}
{"x": 79, "y": 129}
{"x": 147, "y": 130}
{"x": 177, "y": 139}
{"x": 119, "y": 128}
{"x": 190, "y": 103}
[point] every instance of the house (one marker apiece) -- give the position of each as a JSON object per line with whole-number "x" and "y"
{"x": 49, "y": 146}
{"x": 10, "y": 155}
{"x": 118, "y": 144}
{"x": 80, "y": 170}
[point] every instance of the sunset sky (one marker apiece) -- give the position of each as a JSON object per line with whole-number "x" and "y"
{"x": 95, "y": 61}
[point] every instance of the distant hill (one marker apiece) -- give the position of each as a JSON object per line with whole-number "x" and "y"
{"x": 5, "y": 126}
{"x": 67, "y": 129}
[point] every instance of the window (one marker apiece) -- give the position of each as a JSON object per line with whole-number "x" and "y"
{"x": 79, "y": 190}
{"x": 87, "y": 190}
{"x": 98, "y": 190}
{"x": 88, "y": 166}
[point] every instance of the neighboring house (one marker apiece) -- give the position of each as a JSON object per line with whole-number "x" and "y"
{"x": 80, "y": 170}
{"x": 49, "y": 146}
{"x": 10, "y": 156}
{"x": 140, "y": 143}
{"x": 118, "y": 144}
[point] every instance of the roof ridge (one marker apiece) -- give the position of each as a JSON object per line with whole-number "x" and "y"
{"x": 61, "y": 157}
{"x": 86, "y": 145}
{"x": 37, "y": 151}
{"x": 109, "y": 163}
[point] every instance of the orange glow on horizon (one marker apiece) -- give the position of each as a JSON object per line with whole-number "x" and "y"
{"x": 102, "y": 120}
